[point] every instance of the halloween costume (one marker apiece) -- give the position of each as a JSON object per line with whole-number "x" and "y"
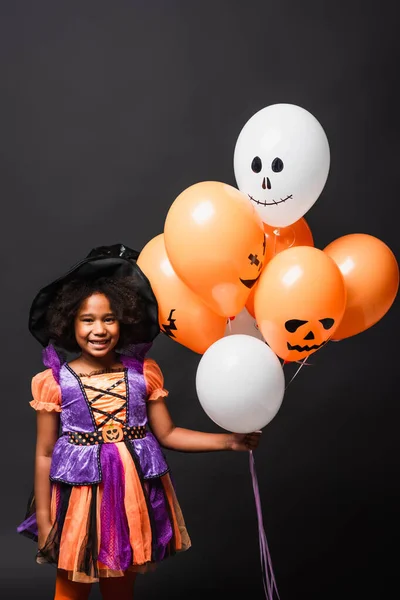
{"x": 113, "y": 505}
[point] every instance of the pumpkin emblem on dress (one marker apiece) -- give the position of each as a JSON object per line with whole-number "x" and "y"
{"x": 113, "y": 433}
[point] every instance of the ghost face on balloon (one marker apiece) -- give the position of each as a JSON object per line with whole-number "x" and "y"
{"x": 281, "y": 162}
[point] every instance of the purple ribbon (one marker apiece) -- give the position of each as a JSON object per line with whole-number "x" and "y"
{"x": 268, "y": 576}
{"x": 115, "y": 549}
{"x": 53, "y": 360}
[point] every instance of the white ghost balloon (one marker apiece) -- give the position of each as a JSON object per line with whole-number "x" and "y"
{"x": 281, "y": 162}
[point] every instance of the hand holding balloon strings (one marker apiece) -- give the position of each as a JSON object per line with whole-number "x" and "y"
{"x": 245, "y": 441}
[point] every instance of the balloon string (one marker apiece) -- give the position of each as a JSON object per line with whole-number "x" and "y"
{"x": 297, "y": 372}
{"x": 268, "y": 576}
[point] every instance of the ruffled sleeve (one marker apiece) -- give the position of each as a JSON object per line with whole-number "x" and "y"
{"x": 46, "y": 392}
{"x": 154, "y": 380}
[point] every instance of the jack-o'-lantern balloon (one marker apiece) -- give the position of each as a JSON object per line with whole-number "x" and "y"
{"x": 299, "y": 302}
{"x": 215, "y": 241}
{"x": 183, "y": 316}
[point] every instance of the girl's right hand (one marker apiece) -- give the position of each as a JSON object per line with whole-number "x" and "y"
{"x": 43, "y": 534}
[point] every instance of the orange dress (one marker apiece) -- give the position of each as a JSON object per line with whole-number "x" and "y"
{"x": 130, "y": 532}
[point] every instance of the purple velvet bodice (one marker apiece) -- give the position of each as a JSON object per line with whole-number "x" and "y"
{"x": 80, "y": 465}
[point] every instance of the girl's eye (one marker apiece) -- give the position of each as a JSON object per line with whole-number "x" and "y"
{"x": 110, "y": 320}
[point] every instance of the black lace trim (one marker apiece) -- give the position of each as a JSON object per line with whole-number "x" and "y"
{"x": 88, "y": 554}
{"x": 102, "y": 371}
{"x": 51, "y": 550}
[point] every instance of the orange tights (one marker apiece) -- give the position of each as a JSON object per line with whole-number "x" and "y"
{"x": 111, "y": 588}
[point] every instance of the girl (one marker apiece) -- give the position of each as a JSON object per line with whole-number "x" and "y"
{"x": 104, "y": 507}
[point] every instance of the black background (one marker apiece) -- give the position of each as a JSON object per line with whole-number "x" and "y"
{"x": 108, "y": 111}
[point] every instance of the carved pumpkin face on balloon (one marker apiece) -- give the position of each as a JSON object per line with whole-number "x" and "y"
{"x": 307, "y": 336}
{"x": 299, "y": 302}
{"x": 256, "y": 263}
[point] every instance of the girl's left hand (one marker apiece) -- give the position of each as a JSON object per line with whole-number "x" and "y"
{"x": 244, "y": 441}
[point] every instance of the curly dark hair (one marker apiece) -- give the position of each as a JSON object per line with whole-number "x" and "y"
{"x": 128, "y": 306}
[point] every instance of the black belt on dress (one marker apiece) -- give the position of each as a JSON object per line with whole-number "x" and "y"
{"x": 109, "y": 434}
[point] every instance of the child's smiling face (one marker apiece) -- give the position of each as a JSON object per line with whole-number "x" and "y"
{"x": 96, "y": 326}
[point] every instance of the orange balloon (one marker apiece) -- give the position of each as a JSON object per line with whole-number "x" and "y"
{"x": 182, "y": 315}
{"x": 250, "y": 301}
{"x": 215, "y": 241}
{"x": 299, "y": 301}
{"x": 282, "y": 238}
{"x": 371, "y": 276}
{"x": 278, "y": 239}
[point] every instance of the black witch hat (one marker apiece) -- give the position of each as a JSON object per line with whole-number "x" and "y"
{"x": 105, "y": 261}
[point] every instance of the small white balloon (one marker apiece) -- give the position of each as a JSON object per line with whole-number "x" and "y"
{"x": 240, "y": 383}
{"x": 243, "y": 323}
{"x": 281, "y": 162}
